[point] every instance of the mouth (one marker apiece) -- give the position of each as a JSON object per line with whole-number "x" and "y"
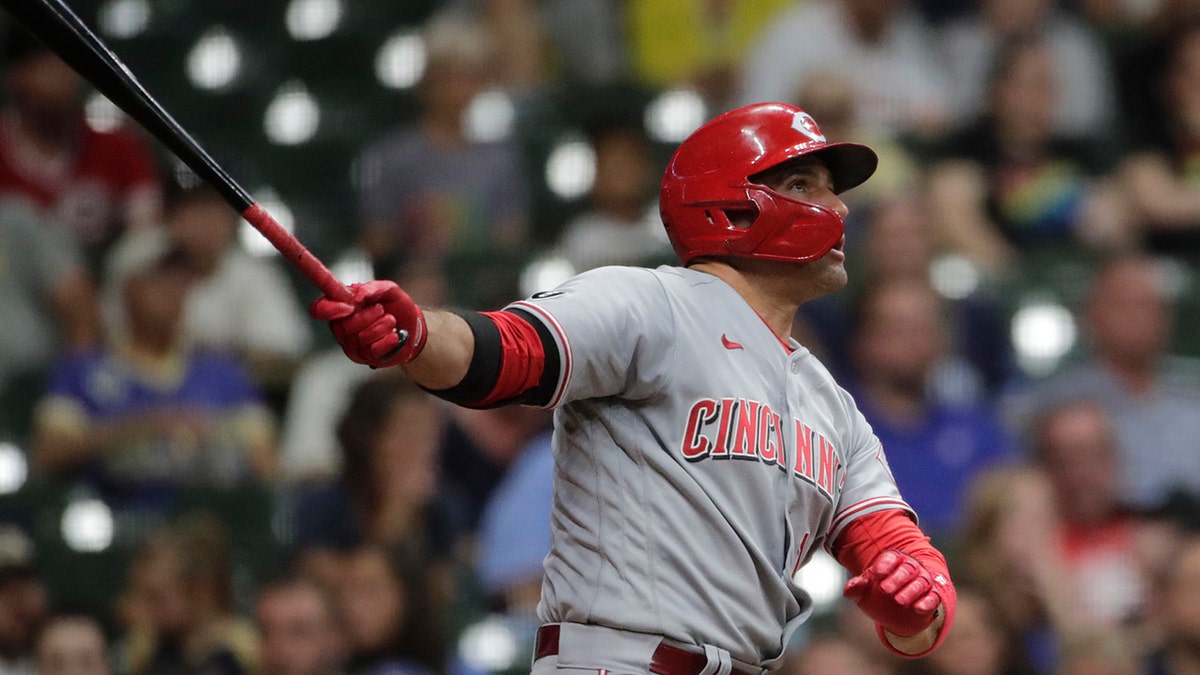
{"x": 841, "y": 244}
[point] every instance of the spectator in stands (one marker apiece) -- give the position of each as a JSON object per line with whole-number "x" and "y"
{"x": 1151, "y": 400}
{"x": 22, "y": 602}
{"x": 1086, "y": 102}
{"x": 388, "y": 495}
{"x": 391, "y": 626}
{"x": 299, "y": 631}
{"x": 1176, "y": 611}
{"x": 72, "y": 645}
{"x": 883, "y": 46}
{"x": 1008, "y": 550}
{"x": 430, "y": 192}
{"x": 147, "y": 414}
{"x": 1160, "y": 172}
{"x": 237, "y": 303}
{"x": 1009, "y": 182}
{"x": 47, "y": 298}
{"x": 934, "y": 445}
{"x": 178, "y": 607}
{"x": 91, "y": 184}
{"x": 622, "y": 227}
{"x": 1074, "y": 445}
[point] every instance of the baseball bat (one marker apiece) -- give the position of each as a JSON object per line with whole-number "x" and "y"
{"x": 53, "y": 22}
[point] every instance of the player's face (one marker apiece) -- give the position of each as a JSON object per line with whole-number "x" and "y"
{"x": 808, "y": 179}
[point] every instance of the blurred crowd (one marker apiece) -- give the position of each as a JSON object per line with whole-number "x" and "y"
{"x": 267, "y": 506}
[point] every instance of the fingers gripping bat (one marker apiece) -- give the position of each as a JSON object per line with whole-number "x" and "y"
{"x": 53, "y": 22}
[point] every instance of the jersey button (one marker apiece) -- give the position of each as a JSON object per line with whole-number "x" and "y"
{"x": 796, "y": 367}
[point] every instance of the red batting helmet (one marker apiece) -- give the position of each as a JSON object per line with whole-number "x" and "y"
{"x": 709, "y": 176}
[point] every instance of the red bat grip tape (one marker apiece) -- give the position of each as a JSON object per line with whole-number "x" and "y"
{"x": 297, "y": 254}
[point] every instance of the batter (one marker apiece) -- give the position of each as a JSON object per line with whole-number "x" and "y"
{"x": 701, "y": 454}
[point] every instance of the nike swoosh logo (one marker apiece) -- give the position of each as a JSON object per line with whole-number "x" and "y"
{"x": 730, "y": 344}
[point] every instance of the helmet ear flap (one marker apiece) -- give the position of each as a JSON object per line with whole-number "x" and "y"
{"x": 787, "y": 229}
{"x": 757, "y": 229}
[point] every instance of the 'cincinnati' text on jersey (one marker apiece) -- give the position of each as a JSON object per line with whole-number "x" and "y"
{"x": 739, "y": 428}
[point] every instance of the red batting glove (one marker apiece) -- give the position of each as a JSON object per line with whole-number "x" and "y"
{"x": 384, "y": 327}
{"x": 897, "y": 592}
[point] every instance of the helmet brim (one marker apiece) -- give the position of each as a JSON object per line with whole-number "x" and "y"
{"x": 850, "y": 164}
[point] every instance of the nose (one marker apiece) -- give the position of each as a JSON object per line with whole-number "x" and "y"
{"x": 834, "y": 203}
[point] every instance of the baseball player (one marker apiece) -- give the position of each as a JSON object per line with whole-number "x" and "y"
{"x": 701, "y": 454}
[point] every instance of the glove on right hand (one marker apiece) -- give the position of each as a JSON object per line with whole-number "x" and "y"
{"x": 897, "y": 592}
{"x": 384, "y": 327}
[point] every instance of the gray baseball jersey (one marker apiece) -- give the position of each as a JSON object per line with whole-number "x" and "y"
{"x": 699, "y": 462}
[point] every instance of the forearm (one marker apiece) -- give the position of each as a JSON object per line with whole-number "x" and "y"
{"x": 447, "y": 354}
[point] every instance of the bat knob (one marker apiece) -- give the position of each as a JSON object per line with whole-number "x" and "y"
{"x": 401, "y": 333}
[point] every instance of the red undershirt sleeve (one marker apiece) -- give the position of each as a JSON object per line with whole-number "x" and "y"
{"x": 868, "y": 536}
{"x": 522, "y": 360}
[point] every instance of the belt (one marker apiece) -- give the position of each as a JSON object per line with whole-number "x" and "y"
{"x": 667, "y": 659}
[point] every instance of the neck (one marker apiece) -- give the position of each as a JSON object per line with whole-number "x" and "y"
{"x": 769, "y": 294}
